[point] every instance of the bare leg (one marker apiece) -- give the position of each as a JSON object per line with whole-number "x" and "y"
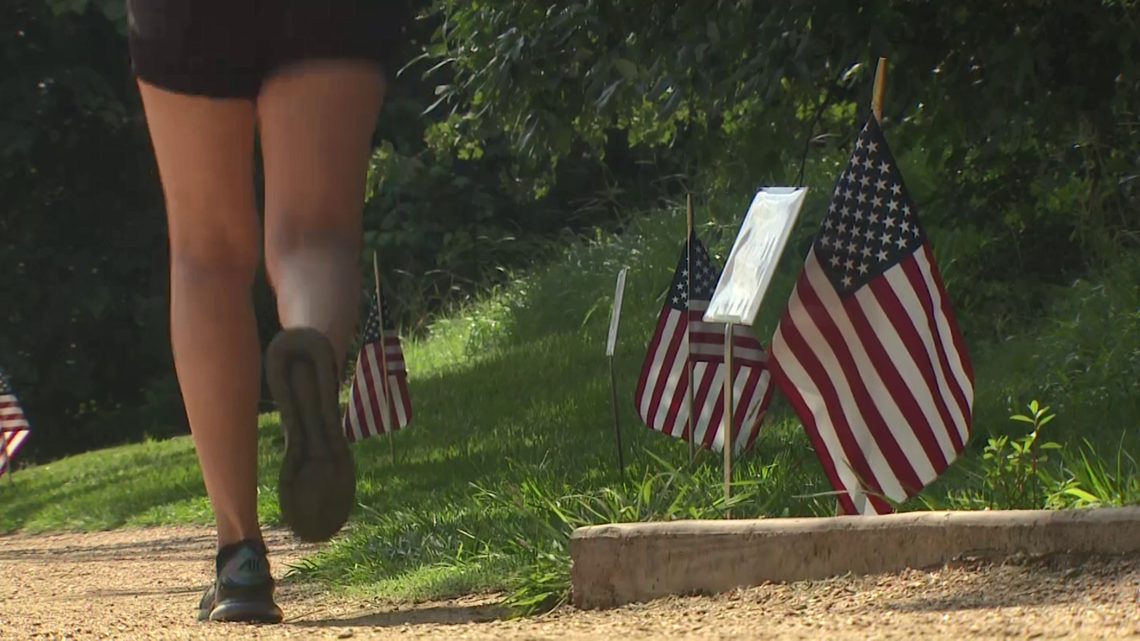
{"x": 204, "y": 150}
{"x": 316, "y": 122}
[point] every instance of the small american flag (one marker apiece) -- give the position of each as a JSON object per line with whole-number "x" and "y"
{"x": 14, "y": 428}
{"x": 868, "y": 351}
{"x": 662, "y": 390}
{"x": 369, "y": 411}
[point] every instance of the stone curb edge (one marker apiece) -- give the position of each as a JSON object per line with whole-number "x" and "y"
{"x": 612, "y": 565}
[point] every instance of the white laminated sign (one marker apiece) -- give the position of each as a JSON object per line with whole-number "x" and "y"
{"x": 755, "y": 254}
{"x": 615, "y": 314}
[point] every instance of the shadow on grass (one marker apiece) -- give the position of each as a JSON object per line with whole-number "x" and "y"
{"x": 101, "y": 499}
{"x": 540, "y": 406}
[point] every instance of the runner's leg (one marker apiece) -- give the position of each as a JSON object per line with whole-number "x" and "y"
{"x": 204, "y": 151}
{"x": 316, "y": 121}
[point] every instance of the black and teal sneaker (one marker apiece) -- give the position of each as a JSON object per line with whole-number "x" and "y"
{"x": 243, "y": 589}
{"x": 317, "y": 483}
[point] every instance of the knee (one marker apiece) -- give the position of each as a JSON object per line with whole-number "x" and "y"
{"x": 290, "y": 232}
{"x": 222, "y": 252}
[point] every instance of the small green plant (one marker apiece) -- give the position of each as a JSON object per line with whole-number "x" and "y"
{"x": 1013, "y": 470}
{"x": 1092, "y": 481}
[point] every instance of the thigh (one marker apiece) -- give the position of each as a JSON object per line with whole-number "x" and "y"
{"x": 316, "y": 119}
{"x": 204, "y": 151}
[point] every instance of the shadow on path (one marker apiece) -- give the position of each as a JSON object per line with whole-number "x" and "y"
{"x": 437, "y": 614}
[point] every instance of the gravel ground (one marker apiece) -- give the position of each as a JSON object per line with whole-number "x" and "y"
{"x": 145, "y": 584}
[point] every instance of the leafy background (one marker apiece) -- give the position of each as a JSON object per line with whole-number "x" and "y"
{"x": 519, "y": 126}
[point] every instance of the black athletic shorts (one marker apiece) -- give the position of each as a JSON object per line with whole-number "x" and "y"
{"x": 227, "y": 48}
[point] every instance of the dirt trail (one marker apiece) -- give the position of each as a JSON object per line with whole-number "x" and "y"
{"x": 145, "y": 584}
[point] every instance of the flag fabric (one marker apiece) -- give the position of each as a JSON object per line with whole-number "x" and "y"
{"x": 680, "y": 336}
{"x": 14, "y": 428}
{"x": 369, "y": 411}
{"x": 868, "y": 351}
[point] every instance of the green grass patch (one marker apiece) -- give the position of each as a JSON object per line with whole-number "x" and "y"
{"x": 155, "y": 482}
{"x": 512, "y": 442}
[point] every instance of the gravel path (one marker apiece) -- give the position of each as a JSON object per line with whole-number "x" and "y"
{"x": 145, "y": 584}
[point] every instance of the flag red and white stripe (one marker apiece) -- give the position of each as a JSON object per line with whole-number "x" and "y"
{"x": 14, "y": 428}
{"x": 681, "y": 335}
{"x": 868, "y": 351}
{"x": 370, "y": 411}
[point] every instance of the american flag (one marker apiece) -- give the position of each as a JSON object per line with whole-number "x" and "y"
{"x": 14, "y": 426}
{"x": 662, "y": 390}
{"x": 868, "y": 351}
{"x": 369, "y": 412}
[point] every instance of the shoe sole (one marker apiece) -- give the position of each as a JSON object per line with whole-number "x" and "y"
{"x": 246, "y": 612}
{"x": 317, "y": 482}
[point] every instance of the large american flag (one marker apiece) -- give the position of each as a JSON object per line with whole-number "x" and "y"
{"x": 14, "y": 428}
{"x": 662, "y": 389}
{"x": 868, "y": 351}
{"x": 369, "y": 411}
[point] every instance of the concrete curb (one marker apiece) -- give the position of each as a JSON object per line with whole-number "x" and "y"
{"x": 626, "y": 563}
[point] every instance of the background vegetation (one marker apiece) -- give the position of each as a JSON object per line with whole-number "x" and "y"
{"x": 527, "y": 152}
{"x": 544, "y": 122}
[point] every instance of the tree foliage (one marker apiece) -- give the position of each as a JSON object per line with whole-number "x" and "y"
{"x": 517, "y": 122}
{"x": 82, "y": 239}
{"x": 972, "y": 76}
{"x": 1023, "y": 113}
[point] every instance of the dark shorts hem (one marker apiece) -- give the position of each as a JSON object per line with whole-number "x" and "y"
{"x": 229, "y": 48}
{"x": 236, "y": 86}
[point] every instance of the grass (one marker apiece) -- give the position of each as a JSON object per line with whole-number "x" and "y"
{"x": 512, "y": 441}
{"x": 150, "y": 483}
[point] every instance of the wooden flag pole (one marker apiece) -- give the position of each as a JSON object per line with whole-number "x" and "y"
{"x": 688, "y": 357}
{"x": 728, "y": 441}
{"x": 880, "y": 87}
{"x": 4, "y": 453}
{"x": 385, "y": 384}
